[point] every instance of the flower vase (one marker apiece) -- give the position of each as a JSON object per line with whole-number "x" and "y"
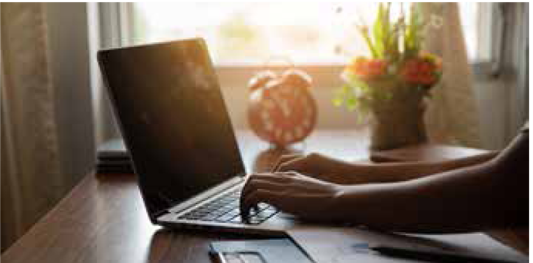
{"x": 397, "y": 120}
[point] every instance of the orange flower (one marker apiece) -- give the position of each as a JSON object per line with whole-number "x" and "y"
{"x": 367, "y": 69}
{"x": 423, "y": 70}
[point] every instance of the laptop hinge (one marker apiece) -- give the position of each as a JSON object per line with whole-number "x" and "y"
{"x": 207, "y": 194}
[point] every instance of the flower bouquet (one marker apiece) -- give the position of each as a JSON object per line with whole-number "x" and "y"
{"x": 392, "y": 84}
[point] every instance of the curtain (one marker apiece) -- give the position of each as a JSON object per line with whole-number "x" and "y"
{"x": 31, "y": 171}
{"x": 514, "y": 65}
{"x": 452, "y": 115}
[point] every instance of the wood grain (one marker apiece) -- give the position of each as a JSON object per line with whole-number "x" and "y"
{"x": 103, "y": 218}
{"x": 425, "y": 152}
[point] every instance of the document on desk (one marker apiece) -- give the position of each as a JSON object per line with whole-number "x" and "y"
{"x": 348, "y": 244}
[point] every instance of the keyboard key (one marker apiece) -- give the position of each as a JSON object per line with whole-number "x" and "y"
{"x": 234, "y": 212}
{"x": 225, "y": 218}
{"x": 218, "y": 212}
{"x": 263, "y": 206}
{"x": 236, "y": 220}
{"x": 212, "y": 206}
{"x": 209, "y": 217}
{"x": 273, "y": 211}
{"x": 255, "y": 221}
{"x": 253, "y": 212}
{"x": 262, "y": 216}
{"x": 226, "y": 209}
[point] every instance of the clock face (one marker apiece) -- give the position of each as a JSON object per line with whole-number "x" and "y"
{"x": 284, "y": 114}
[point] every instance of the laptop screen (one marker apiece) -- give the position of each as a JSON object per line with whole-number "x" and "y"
{"x": 173, "y": 119}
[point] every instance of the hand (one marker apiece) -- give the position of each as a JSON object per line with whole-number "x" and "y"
{"x": 290, "y": 192}
{"x": 321, "y": 167}
{"x": 313, "y": 164}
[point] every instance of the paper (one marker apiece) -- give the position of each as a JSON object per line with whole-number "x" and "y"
{"x": 348, "y": 244}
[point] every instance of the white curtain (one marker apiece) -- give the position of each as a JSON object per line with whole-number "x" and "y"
{"x": 31, "y": 172}
{"x": 452, "y": 113}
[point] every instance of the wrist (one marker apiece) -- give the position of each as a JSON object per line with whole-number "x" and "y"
{"x": 358, "y": 174}
{"x": 341, "y": 178}
{"x": 347, "y": 204}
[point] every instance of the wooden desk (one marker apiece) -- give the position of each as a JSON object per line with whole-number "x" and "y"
{"x": 103, "y": 219}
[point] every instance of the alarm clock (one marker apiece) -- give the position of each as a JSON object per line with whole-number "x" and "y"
{"x": 282, "y": 109}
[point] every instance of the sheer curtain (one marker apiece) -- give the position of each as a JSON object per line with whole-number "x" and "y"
{"x": 452, "y": 115}
{"x": 35, "y": 165}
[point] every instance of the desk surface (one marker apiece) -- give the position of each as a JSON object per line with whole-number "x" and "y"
{"x": 103, "y": 219}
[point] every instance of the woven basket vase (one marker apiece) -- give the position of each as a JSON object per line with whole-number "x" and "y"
{"x": 398, "y": 120}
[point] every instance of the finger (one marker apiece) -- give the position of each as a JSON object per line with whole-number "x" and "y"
{"x": 286, "y": 176}
{"x": 288, "y": 157}
{"x": 268, "y": 177}
{"x": 257, "y": 184}
{"x": 294, "y": 164}
{"x": 298, "y": 204}
{"x": 256, "y": 197}
{"x": 285, "y": 158}
{"x": 273, "y": 177}
{"x": 301, "y": 182}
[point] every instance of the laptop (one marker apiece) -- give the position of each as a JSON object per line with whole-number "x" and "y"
{"x": 174, "y": 122}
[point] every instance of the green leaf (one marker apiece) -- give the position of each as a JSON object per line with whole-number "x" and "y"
{"x": 386, "y": 28}
{"x": 366, "y": 37}
{"x": 346, "y": 88}
{"x": 382, "y": 31}
{"x": 351, "y": 103}
{"x": 339, "y": 94}
{"x": 337, "y": 101}
{"x": 413, "y": 31}
{"x": 393, "y": 48}
{"x": 355, "y": 82}
{"x": 378, "y": 31}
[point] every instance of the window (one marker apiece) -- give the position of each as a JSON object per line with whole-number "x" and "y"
{"x": 244, "y": 33}
{"x": 242, "y": 36}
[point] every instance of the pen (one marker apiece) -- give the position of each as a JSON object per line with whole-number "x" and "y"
{"x": 442, "y": 257}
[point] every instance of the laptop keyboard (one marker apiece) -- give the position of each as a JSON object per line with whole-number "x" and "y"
{"x": 225, "y": 209}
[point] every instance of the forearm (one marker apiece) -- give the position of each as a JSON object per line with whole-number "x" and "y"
{"x": 352, "y": 173}
{"x": 455, "y": 201}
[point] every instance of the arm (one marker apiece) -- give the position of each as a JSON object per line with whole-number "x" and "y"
{"x": 341, "y": 172}
{"x": 492, "y": 194}
{"x": 489, "y": 195}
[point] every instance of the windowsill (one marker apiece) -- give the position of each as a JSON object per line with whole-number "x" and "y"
{"x": 325, "y": 75}
{"x": 234, "y": 75}
{"x": 316, "y": 64}
{"x": 280, "y": 64}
